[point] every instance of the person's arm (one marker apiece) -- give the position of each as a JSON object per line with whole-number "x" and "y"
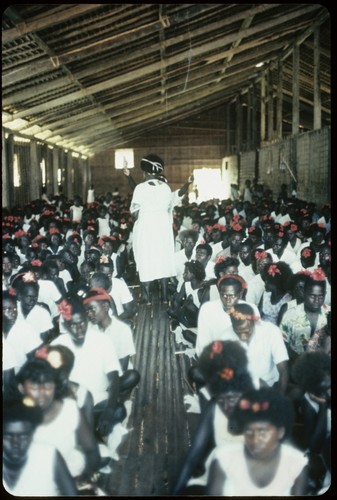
{"x": 63, "y": 479}
{"x": 185, "y": 187}
{"x": 132, "y": 183}
{"x": 202, "y": 441}
{"x": 130, "y": 309}
{"x": 104, "y": 425}
{"x": 300, "y": 487}
{"x": 89, "y": 445}
{"x": 216, "y": 480}
{"x": 283, "y": 369}
{"x": 124, "y": 362}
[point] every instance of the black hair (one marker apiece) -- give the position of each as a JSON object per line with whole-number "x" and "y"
{"x": 103, "y": 280}
{"x": 15, "y": 410}
{"x": 195, "y": 267}
{"x": 205, "y": 246}
{"x": 266, "y": 404}
{"x": 221, "y": 266}
{"x": 224, "y": 366}
{"x": 39, "y": 370}
{"x": 310, "y": 368}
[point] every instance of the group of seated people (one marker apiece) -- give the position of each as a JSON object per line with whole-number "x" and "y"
{"x": 250, "y": 300}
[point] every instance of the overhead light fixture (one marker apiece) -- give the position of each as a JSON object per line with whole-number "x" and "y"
{"x": 258, "y": 65}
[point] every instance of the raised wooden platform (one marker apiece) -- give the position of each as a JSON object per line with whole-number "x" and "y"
{"x": 152, "y": 452}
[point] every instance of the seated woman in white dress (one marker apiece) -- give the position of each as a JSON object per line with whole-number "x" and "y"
{"x": 224, "y": 366}
{"x": 263, "y": 465}
{"x": 63, "y": 424}
{"x": 29, "y": 468}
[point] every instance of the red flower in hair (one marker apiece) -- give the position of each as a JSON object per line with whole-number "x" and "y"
{"x": 306, "y": 252}
{"x": 251, "y": 229}
{"x": 29, "y": 277}
{"x": 219, "y": 259}
{"x": 6, "y": 236}
{"x": 101, "y": 242}
{"x": 35, "y": 245}
{"x": 318, "y": 275}
{"x": 20, "y": 233}
{"x": 36, "y": 262}
{"x": 216, "y": 348}
{"x": 273, "y": 270}
{"x": 237, "y": 227}
{"x": 66, "y": 309}
{"x": 209, "y": 229}
{"x": 280, "y": 234}
{"x": 90, "y": 228}
{"x": 293, "y": 228}
{"x": 261, "y": 255}
{"x": 256, "y": 407}
{"x": 42, "y": 353}
{"x": 11, "y": 291}
{"x": 220, "y": 227}
{"x": 244, "y": 404}
{"x": 226, "y": 374}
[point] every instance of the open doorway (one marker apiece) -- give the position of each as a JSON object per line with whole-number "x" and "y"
{"x": 208, "y": 184}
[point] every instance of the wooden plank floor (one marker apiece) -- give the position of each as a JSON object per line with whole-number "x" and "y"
{"x": 160, "y": 429}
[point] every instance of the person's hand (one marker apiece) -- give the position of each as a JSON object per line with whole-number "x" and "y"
{"x": 106, "y": 422}
{"x": 126, "y": 171}
{"x": 190, "y": 179}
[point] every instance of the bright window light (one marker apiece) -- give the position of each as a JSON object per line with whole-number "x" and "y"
{"x": 43, "y": 171}
{"x": 16, "y": 172}
{"x": 124, "y": 158}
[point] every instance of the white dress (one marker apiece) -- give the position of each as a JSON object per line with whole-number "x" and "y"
{"x": 153, "y": 240}
{"x": 61, "y": 433}
{"x": 238, "y": 481}
{"x": 37, "y": 476}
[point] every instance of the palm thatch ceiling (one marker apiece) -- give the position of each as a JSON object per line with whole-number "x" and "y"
{"x": 90, "y": 77}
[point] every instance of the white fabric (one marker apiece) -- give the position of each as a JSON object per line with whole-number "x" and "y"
{"x": 93, "y": 361}
{"x": 121, "y": 336}
{"x": 288, "y": 256}
{"x": 255, "y": 289}
{"x": 65, "y": 276}
{"x": 103, "y": 226}
{"x": 265, "y": 350}
{"x": 246, "y": 272}
{"x": 76, "y": 213}
{"x": 21, "y": 339}
{"x": 120, "y": 294}
{"x": 180, "y": 259}
{"x": 213, "y": 324}
{"x": 238, "y": 481}
{"x": 39, "y": 318}
{"x": 49, "y": 294}
{"x": 37, "y": 476}
{"x": 153, "y": 241}
{"x": 61, "y": 433}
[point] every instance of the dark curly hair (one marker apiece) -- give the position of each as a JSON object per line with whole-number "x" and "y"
{"x": 310, "y": 368}
{"x": 223, "y": 265}
{"x": 279, "y": 274}
{"x": 267, "y": 405}
{"x": 224, "y": 366}
{"x": 40, "y": 371}
{"x": 16, "y": 411}
{"x": 195, "y": 267}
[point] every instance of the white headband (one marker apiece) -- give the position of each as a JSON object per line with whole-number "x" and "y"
{"x": 156, "y": 165}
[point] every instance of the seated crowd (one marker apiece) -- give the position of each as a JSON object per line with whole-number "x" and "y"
{"x": 250, "y": 303}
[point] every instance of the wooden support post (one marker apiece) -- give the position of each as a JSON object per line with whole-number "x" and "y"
{"x": 35, "y": 178}
{"x": 279, "y": 104}
{"x": 263, "y": 108}
{"x": 296, "y": 91}
{"x": 317, "y": 92}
